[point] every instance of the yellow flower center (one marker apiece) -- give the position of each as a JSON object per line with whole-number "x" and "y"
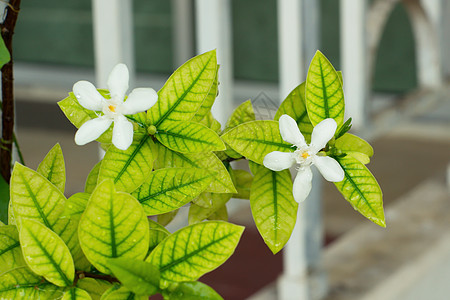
{"x": 305, "y": 155}
{"x": 112, "y": 108}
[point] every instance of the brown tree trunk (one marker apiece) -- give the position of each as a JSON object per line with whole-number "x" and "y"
{"x": 7, "y": 31}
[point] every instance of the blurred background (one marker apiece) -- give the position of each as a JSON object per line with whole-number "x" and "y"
{"x": 394, "y": 57}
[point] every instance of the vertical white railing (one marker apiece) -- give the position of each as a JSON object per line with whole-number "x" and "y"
{"x": 213, "y": 28}
{"x": 183, "y": 31}
{"x": 113, "y": 37}
{"x": 354, "y": 58}
{"x": 298, "y": 27}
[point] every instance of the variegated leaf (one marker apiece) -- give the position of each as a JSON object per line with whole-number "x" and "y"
{"x": 189, "y": 137}
{"x": 113, "y": 225}
{"x": 53, "y": 167}
{"x": 128, "y": 169}
{"x": 361, "y": 189}
{"x": 324, "y": 93}
{"x": 168, "y": 189}
{"x": 46, "y": 254}
{"x": 273, "y": 207}
{"x": 184, "y": 92}
{"x": 194, "y": 250}
{"x": 254, "y": 140}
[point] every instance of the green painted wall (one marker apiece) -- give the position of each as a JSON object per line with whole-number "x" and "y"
{"x": 60, "y": 32}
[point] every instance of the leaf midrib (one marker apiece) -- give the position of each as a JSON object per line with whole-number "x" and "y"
{"x": 11, "y": 247}
{"x": 130, "y": 158}
{"x": 148, "y": 197}
{"x": 177, "y": 102}
{"x": 324, "y": 90}
{"x": 186, "y": 137}
{"x": 193, "y": 253}
{"x": 355, "y": 186}
{"x": 36, "y": 203}
{"x": 50, "y": 258}
{"x": 279, "y": 144}
{"x": 275, "y": 204}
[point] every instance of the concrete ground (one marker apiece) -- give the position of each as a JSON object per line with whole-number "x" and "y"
{"x": 408, "y": 153}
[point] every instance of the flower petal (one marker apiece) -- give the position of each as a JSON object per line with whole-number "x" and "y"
{"x": 118, "y": 82}
{"x": 330, "y": 169}
{"x": 122, "y": 133}
{"x": 277, "y": 160}
{"x": 92, "y": 130}
{"x": 302, "y": 184}
{"x": 322, "y": 133}
{"x": 88, "y": 96}
{"x": 290, "y": 132}
{"x": 139, "y": 100}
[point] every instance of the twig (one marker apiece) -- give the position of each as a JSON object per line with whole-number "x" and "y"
{"x": 7, "y": 31}
{"x": 83, "y": 274}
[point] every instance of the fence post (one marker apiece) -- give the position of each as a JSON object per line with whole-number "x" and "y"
{"x": 113, "y": 37}
{"x": 213, "y": 28}
{"x": 354, "y": 59}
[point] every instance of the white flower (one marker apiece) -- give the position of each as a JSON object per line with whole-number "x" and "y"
{"x": 114, "y": 109}
{"x": 305, "y": 155}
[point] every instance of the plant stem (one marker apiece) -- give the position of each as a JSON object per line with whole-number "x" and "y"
{"x": 7, "y": 31}
{"x": 109, "y": 278}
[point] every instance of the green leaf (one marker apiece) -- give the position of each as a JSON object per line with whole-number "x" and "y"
{"x": 157, "y": 234}
{"x": 166, "y": 218}
{"x": 344, "y": 128}
{"x": 211, "y": 123}
{"x": 4, "y": 201}
{"x": 355, "y": 146}
{"x": 53, "y": 167}
{"x": 219, "y": 215}
{"x": 76, "y": 294}
{"x": 195, "y": 250}
{"x": 116, "y": 293}
{"x": 205, "y": 109}
{"x": 242, "y": 114}
{"x": 294, "y": 106}
{"x": 184, "y": 92}
{"x": 254, "y": 140}
{"x": 78, "y": 115}
{"x": 22, "y": 283}
{"x": 11, "y": 219}
{"x": 189, "y": 137}
{"x": 361, "y": 189}
{"x": 91, "y": 180}
{"x": 34, "y": 197}
{"x": 273, "y": 207}
{"x": 128, "y": 169}
{"x": 76, "y": 204}
{"x": 95, "y": 287}
{"x": 254, "y": 167}
{"x": 208, "y": 161}
{"x": 140, "y": 277}
{"x": 113, "y": 225}
{"x": 194, "y": 291}
{"x": 203, "y": 200}
{"x": 46, "y": 254}
{"x": 199, "y": 213}
{"x": 5, "y": 57}
{"x": 324, "y": 93}
{"x": 10, "y": 252}
{"x": 243, "y": 181}
{"x": 169, "y": 189}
